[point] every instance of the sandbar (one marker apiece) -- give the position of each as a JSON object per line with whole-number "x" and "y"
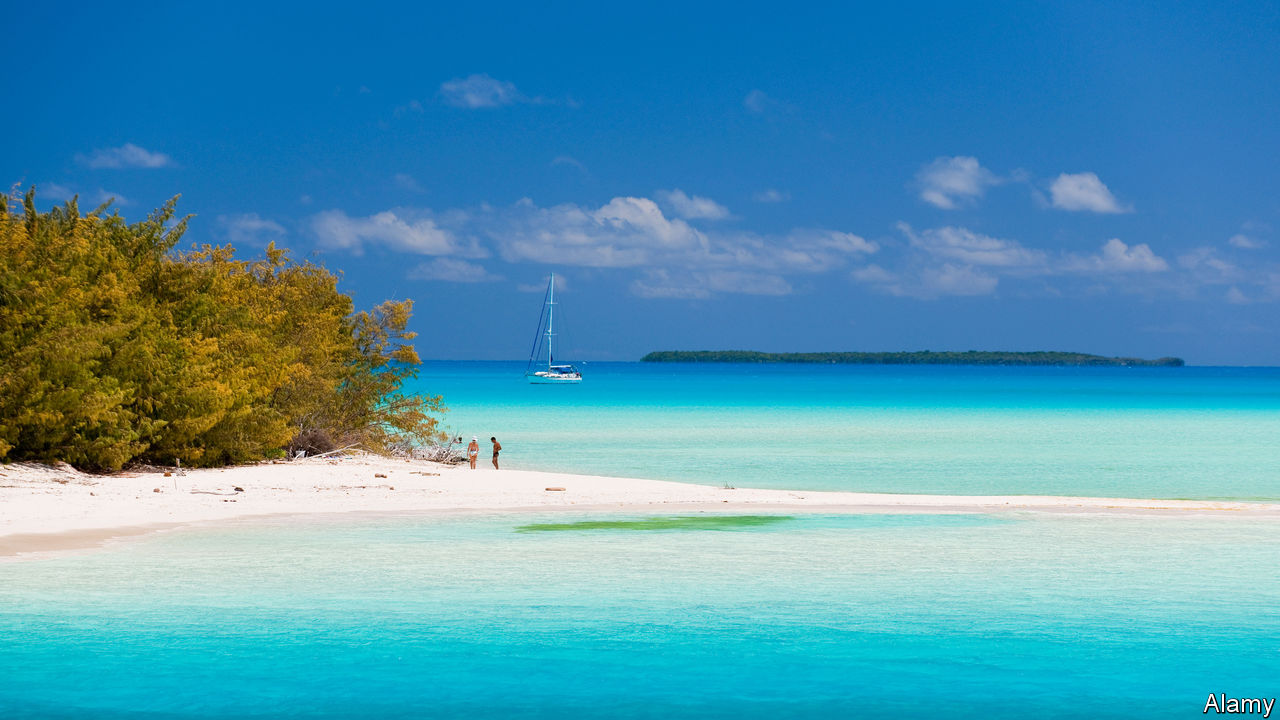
{"x": 46, "y": 509}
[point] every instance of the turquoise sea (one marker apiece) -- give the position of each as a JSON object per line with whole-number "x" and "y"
{"x": 570, "y": 614}
{"x": 1189, "y": 432}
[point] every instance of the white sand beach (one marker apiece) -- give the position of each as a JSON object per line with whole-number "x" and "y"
{"x": 46, "y": 508}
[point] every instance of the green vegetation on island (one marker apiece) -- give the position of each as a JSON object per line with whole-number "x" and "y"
{"x": 115, "y": 349}
{"x": 921, "y": 357}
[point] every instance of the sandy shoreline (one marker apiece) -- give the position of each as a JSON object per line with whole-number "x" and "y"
{"x": 45, "y": 509}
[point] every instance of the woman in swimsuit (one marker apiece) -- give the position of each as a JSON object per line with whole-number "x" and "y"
{"x": 473, "y": 450}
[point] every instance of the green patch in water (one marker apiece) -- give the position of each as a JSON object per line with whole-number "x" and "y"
{"x": 682, "y": 522}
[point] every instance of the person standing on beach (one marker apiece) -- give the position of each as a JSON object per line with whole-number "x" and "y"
{"x": 497, "y": 447}
{"x": 473, "y": 450}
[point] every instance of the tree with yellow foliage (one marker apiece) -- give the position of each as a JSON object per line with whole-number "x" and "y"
{"x": 115, "y": 348}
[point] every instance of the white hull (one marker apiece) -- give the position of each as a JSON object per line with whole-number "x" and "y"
{"x": 544, "y": 378}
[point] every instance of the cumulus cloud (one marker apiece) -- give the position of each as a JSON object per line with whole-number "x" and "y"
{"x": 963, "y": 245}
{"x": 453, "y": 270}
{"x": 125, "y": 156}
{"x": 673, "y": 258}
{"x": 1117, "y": 257}
{"x": 949, "y": 182}
{"x": 249, "y": 229}
{"x": 480, "y": 91}
{"x": 338, "y": 231}
{"x": 693, "y": 207}
{"x": 873, "y": 274}
{"x": 1208, "y": 267}
{"x": 957, "y": 280}
{"x": 1084, "y": 191}
{"x": 634, "y": 232}
{"x": 950, "y": 261}
{"x": 625, "y": 232}
{"x": 771, "y": 196}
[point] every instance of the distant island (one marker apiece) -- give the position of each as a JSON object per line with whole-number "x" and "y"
{"x": 920, "y": 357}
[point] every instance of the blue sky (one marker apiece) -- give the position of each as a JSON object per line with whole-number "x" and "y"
{"x": 1098, "y": 177}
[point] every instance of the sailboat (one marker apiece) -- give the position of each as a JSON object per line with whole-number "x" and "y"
{"x": 553, "y": 374}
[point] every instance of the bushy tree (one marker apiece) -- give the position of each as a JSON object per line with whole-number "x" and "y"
{"x": 114, "y": 348}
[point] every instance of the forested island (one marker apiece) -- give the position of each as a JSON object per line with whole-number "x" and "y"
{"x": 919, "y": 357}
{"x": 115, "y": 348}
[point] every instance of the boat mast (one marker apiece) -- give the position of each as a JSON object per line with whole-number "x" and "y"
{"x": 551, "y": 310}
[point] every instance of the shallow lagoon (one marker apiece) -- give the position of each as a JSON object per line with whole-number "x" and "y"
{"x": 448, "y": 616}
{"x": 1108, "y": 432}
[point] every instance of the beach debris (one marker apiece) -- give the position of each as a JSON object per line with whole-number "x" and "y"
{"x": 555, "y": 489}
{"x": 391, "y": 487}
{"x": 237, "y": 488}
{"x": 167, "y": 473}
{"x": 379, "y": 475}
{"x": 93, "y": 494}
{"x": 214, "y": 492}
{"x": 422, "y": 472}
{"x": 155, "y": 490}
{"x": 335, "y": 452}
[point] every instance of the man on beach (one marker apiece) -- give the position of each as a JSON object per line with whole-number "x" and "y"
{"x": 497, "y": 446}
{"x": 473, "y": 450}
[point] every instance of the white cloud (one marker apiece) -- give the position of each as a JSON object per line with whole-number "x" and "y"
{"x": 1235, "y": 297}
{"x": 338, "y": 231}
{"x": 624, "y": 233}
{"x": 930, "y": 282}
{"x": 634, "y": 232}
{"x": 771, "y": 196}
{"x": 949, "y": 182}
{"x": 1208, "y": 267}
{"x": 957, "y": 280}
{"x": 1117, "y": 257}
{"x": 757, "y": 102}
{"x": 1084, "y": 191}
{"x": 451, "y": 270}
{"x": 971, "y": 248}
{"x": 125, "y": 156}
{"x": 249, "y": 229}
{"x": 693, "y": 207}
{"x": 480, "y": 91}
{"x": 1246, "y": 242}
{"x": 874, "y": 275}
